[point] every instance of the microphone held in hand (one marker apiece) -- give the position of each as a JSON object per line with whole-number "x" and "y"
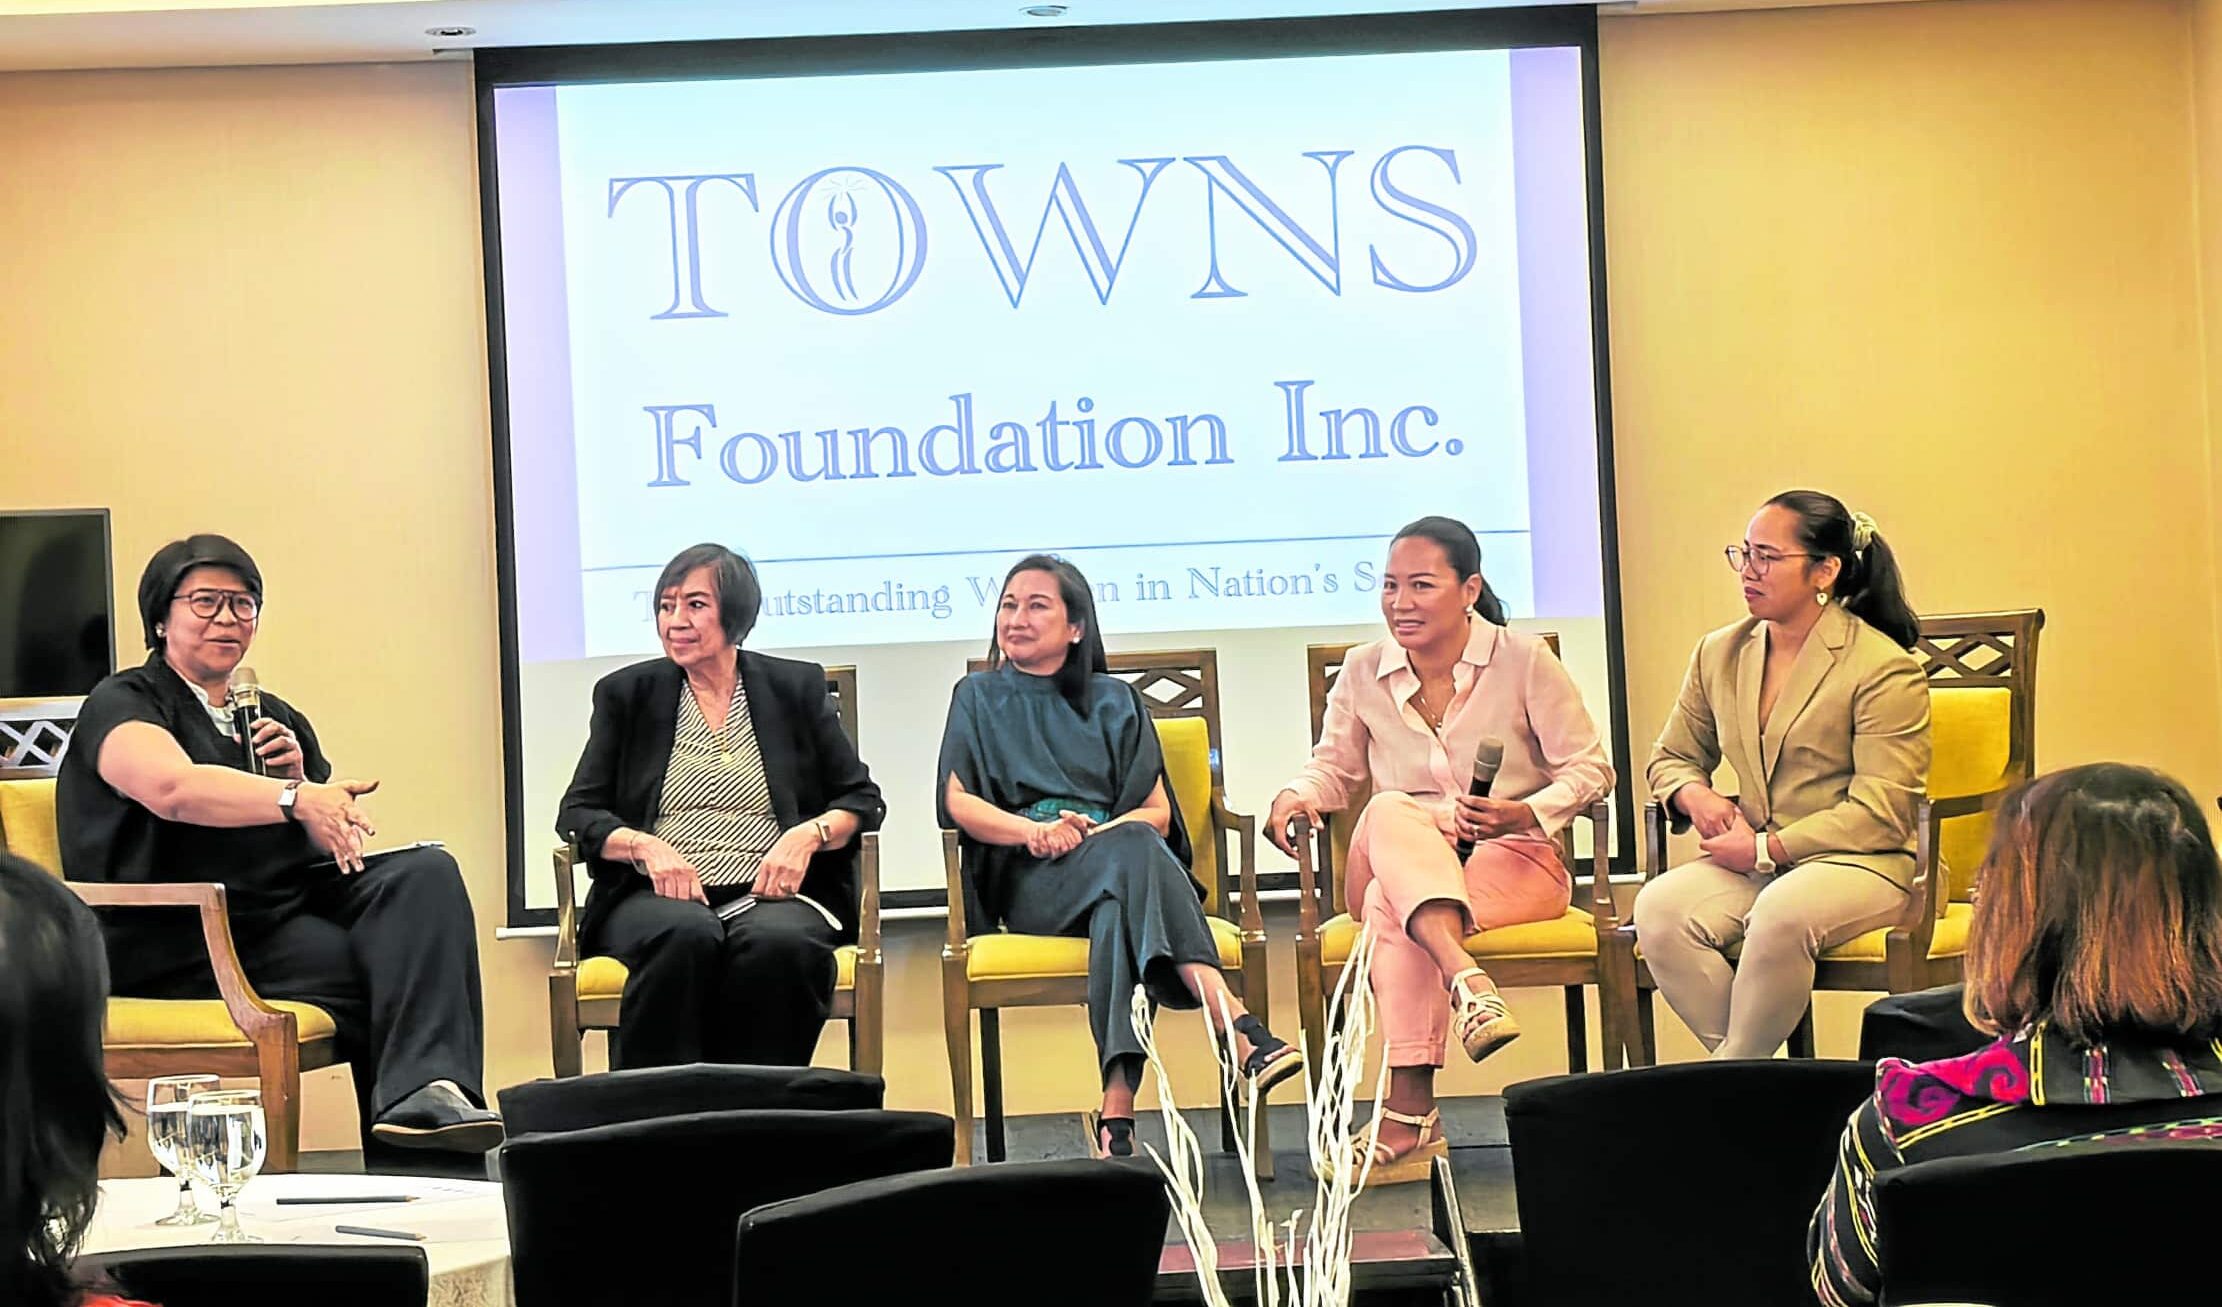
{"x": 246, "y": 710}
{"x": 1487, "y": 758}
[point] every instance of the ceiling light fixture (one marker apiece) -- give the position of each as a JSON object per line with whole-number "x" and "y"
{"x": 1044, "y": 11}
{"x": 451, "y": 32}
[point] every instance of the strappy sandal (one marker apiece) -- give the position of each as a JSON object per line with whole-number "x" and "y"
{"x": 1483, "y": 1022}
{"x": 1271, "y": 1061}
{"x": 1391, "y": 1167}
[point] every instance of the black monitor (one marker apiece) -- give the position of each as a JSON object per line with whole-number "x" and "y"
{"x": 57, "y": 597}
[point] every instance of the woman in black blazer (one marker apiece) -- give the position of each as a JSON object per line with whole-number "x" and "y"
{"x": 718, "y": 802}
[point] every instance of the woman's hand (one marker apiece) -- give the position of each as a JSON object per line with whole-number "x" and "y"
{"x": 1481, "y": 818}
{"x": 671, "y": 874}
{"x": 1288, "y": 805}
{"x": 779, "y": 875}
{"x": 1055, "y": 839}
{"x": 334, "y": 822}
{"x": 280, "y": 750}
{"x": 1707, "y": 810}
{"x": 1736, "y": 848}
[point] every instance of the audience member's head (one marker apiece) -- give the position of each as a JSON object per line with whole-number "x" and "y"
{"x": 2101, "y": 910}
{"x": 56, "y": 1107}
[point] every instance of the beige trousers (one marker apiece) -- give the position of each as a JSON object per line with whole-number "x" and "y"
{"x": 1690, "y": 917}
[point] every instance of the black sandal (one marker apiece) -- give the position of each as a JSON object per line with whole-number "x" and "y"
{"x": 1121, "y": 1132}
{"x": 1272, "y": 1059}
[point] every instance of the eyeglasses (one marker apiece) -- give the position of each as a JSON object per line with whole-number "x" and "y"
{"x": 207, "y": 603}
{"x": 1741, "y": 556}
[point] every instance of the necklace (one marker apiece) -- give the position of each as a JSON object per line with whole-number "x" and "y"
{"x": 1433, "y": 718}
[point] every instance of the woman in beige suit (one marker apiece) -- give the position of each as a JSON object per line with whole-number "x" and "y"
{"x": 1822, "y": 713}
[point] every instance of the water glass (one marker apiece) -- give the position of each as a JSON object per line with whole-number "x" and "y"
{"x": 225, "y": 1143}
{"x": 167, "y": 1100}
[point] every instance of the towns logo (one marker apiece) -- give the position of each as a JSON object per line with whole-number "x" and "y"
{"x": 852, "y": 240}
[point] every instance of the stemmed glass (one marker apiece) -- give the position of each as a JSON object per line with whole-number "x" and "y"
{"x": 224, "y": 1147}
{"x": 167, "y": 1099}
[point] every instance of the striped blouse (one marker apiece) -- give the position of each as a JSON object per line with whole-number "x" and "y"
{"x": 1994, "y": 1100}
{"x": 717, "y": 806}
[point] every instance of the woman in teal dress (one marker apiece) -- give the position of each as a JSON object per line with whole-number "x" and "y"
{"x": 1050, "y": 768}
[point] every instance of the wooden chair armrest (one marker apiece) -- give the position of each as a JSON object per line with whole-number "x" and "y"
{"x": 249, "y": 1012}
{"x": 1601, "y": 904}
{"x": 1244, "y": 828}
{"x": 1963, "y": 805}
{"x": 1654, "y": 840}
{"x": 868, "y": 899}
{"x": 1313, "y": 851}
{"x": 567, "y": 858}
{"x": 952, "y": 863}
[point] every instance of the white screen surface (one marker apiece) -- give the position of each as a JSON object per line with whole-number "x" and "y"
{"x": 1213, "y": 331}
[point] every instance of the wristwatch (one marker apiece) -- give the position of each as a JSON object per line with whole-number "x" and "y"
{"x": 1763, "y": 862}
{"x": 286, "y": 797}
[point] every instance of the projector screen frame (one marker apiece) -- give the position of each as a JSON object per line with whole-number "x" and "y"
{"x": 1572, "y": 26}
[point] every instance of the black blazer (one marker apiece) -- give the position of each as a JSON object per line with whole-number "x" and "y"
{"x": 809, "y": 761}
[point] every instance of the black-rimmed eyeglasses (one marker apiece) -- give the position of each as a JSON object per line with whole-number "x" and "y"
{"x": 205, "y": 604}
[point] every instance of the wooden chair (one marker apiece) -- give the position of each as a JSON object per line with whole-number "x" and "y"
{"x": 238, "y": 1035}
{"x": 1982, "y": 670}
{"x": 584, "y": 994}
{"x": 996, "y": 969}
{"x": 1565, "y": 952}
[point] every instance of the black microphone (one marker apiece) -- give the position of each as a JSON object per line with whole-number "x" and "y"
{"x": 246, "y": 710}
{"x": 1487, "y": 757}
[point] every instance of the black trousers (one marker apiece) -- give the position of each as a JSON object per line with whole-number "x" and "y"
{"x": 1924, "y": 1026}
{"x": 392, "y": 953}
{"x": 754, "y": 990}
{"x": 1130, "y": 896}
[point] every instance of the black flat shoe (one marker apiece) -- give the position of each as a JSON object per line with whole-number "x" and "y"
{"x": 1114, "y": 1136}
{"x": 438, "y": 1117}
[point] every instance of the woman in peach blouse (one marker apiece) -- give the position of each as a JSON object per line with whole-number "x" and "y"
{"x": 1408, "y": 714}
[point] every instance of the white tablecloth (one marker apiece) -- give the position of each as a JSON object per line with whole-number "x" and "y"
{"x": 466, "y": 1233}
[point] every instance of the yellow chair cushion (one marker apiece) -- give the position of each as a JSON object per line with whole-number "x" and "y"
{"x": 1572, "y": 935}
{"x": 27, "y": 822}
{"x": 1971, "y": 729}
{"x": 1004, "y": 956}
{"x": 1949, "y": 941}
{"x": 198, "y": 1023}
{"x": 1186, "y": 743}
{"x": 601, "y": 978}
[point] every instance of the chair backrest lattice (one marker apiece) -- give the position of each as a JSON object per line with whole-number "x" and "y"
{"x": 1982, "y": 673}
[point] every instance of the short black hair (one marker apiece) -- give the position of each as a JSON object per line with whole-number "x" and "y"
{"x": 740, "y": 597}
{"x": 56, "y": 1106}
{"x": 172, "y": 561}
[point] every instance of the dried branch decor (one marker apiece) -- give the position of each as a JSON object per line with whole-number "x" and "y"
{"x": 1312, "y": 1248}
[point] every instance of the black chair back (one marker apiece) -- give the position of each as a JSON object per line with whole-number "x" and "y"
{"x": 227, "y": 1275}
{"x": 2090, "y": 1223}
{"x": 583, "y": 1102}
{"x": 1076, "y": 1233}
{"x": 1688, "y": 1183}
{"x": 645, "y": 1212}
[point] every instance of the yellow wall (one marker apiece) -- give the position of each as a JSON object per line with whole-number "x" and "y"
{"x": 2206, "y": 55}
{"x": 1942, "y": 259}
{"x": 1939, "y": 259}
